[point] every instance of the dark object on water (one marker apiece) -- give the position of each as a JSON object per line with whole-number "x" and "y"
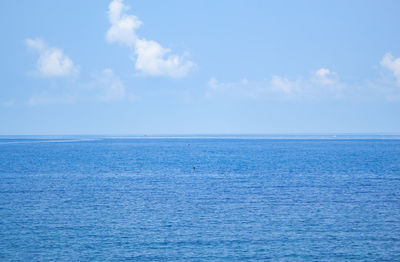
{"x": 194, "y": 168}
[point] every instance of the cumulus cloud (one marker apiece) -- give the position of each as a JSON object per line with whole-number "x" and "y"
{"x": 153, "y": 59}
{"x": 392, "y": 64}
{"x": 150, "y": 57}
{"x": 52, "y": 62}
{"x": 123, "y": 26}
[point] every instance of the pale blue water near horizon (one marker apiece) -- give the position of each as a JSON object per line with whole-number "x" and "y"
{"x": 139, "y": 199}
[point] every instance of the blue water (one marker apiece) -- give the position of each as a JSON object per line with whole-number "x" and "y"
{"x": 247, "y": 200}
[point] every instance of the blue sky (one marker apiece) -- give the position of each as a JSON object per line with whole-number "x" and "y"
{"x": 199, "y": 67}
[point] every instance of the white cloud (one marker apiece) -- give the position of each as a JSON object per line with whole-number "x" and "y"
{"x": 36, "y": 44}
{"x": 151, "y": 57}
{"x": 52, "y": 62}
{"x": 105, "y": 86}
{"x": 123, "y": 26}
{"x": 241, "y": 89}
{"x": 216, "y": 85}
{"x": 284, "y": 85}
{"x": 324, "y": 76}
{"x": 393, "y": 64}
{"x": 321, "y": 83}
{"x": 109, "y": 86}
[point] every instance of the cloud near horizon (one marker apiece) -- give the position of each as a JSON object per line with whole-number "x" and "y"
{"x": 52, "y": 61}
{"x": 150, "y": 57}
{"x": 321, "y": 83}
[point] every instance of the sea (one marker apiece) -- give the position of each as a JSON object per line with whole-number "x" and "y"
{"x": 200, "y": 198}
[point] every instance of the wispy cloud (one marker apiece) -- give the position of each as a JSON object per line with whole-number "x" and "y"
{"x": 106, "y": 86}
{"x": 321, "y": 83}
{"x": 242, "y": 88}
{"x": 45, "y": 98}
{"x": 325, "y": 76}
{"x": 8, "y": 103}
{"x": 52, "y": 61}
{"x": 150, "y": 57}
{"x": 284, "y": 85}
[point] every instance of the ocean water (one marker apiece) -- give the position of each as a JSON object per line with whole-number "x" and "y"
{"x": 131, "y": 199}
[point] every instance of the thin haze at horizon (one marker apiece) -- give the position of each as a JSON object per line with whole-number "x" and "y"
{"x": 183, "y": 67}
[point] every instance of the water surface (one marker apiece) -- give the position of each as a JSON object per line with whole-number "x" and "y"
{"x": 253, "y": 199}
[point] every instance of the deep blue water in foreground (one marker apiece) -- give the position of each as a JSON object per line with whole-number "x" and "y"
{"x": 248, "y": 199}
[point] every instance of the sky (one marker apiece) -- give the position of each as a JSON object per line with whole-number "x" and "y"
{"x": 128, "y": 67}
